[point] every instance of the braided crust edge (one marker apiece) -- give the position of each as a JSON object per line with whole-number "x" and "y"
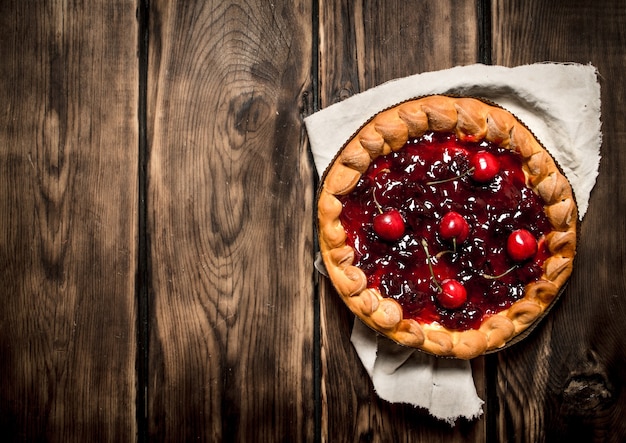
{"x": 471, "y": 119}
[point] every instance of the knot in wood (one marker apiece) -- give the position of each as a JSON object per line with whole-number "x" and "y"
{"x": 250, "y": 112}
{"x": 586, "y": 394}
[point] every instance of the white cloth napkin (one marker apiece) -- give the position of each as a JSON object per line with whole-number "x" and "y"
{"x": 559, "y": 102}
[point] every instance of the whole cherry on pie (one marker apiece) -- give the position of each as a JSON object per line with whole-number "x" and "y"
{"x": 485, "y": 166}
{"x": 452, "y": 295}
{"x": 389, "y": 225}
{"x": 454, "y": 226}
{"x": 521, "y": 245}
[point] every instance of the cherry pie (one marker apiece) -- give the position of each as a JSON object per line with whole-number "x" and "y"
{"x": 446, "y": 226}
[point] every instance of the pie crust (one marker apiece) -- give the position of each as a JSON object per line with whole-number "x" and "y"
{"x": 469, "y": 119}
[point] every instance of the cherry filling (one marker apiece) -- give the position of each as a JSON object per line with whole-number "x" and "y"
{"x": 428, "y": 178}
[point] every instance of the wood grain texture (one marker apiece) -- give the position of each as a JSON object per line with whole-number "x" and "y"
{"x": 363, "y": 44}
{"x": 68, "y": 174}
{"x": 575, "y": 391}
{"x": 230, "y": 222}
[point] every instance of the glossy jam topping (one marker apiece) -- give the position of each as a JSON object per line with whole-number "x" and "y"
{"x": 426, "y": 179}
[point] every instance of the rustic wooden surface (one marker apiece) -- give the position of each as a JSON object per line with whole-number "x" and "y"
{"x": 68, "y": 221}
{"x": 156, "y": 222}
{"x": 230, "y": 214}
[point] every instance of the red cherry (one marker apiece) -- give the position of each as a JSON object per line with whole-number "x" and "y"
{"x": 485, "y": 165}
{"x": 389, "y": 225}
{"x": 453, "y": 226}
{"x": 453, "y": 294}
{"x": 521, "y": 245}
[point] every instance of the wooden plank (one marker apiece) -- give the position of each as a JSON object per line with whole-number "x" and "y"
{"x": 565, "y": 382}
{"x": 363, "y": 44}
{"x": 68, "y": 226}
{"x": 230, "y": 222}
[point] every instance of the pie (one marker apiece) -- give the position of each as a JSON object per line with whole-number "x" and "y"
{"x": 446, "y": 226}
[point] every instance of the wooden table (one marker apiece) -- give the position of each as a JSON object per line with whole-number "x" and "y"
{"x": 157, "y": 222}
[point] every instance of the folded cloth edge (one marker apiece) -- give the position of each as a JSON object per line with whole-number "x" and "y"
{"x": 443, "y": 387}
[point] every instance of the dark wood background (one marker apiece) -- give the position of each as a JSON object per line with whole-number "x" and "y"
{"x": 157, "y": 222}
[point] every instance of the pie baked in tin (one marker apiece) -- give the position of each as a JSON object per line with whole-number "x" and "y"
{"x": 415, "y": 158}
